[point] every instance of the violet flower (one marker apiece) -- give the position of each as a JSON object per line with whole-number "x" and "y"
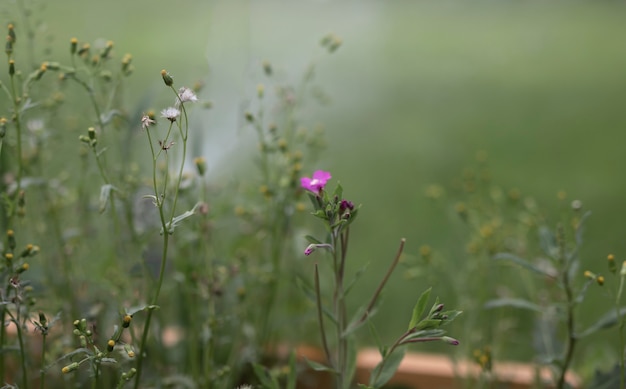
{"x": 317, "y": 182}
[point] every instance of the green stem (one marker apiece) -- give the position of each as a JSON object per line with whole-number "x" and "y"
{"x": 151, "y": 308}
{"x": 320, "y": 318}
{"x": 92, "y": 97}
{"x": 2, "y": 341}
{"x": 571, "y": 336}
{"x": 620, "y": 330}
{"x": 20, "y": 340}
{"x": 42, "y": 374}
{"x": 166, "y": 233}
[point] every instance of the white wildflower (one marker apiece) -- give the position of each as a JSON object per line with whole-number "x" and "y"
{"x": 186, "y": 95}
{"x": 170, "y": 113}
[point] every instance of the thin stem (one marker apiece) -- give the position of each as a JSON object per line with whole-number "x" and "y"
{"x": 151, "y": 308}
{"x": 569, "y": 294}
{"x": 320, "y": 317}
{"x": 42, "y": 374}
{"x": 620, "y": 330}
{"x": 384, "y": 281}
{"x": 92, "y": 97}
{"x": 166, "y": 233}
{"x": 20, "y": 339}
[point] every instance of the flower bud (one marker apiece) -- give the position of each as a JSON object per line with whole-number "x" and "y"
{"x": 450, "y": 340}
{"x": 69, "y": 368}
{"x": 267, "y": 68}
{"x": 11, "y": 34}
{"x": 11, "y": 239}
{"x": 201, "y": 166}
{"x": 169, "y": 81}
{"x": 110, "y": 345}
{"x": 73, "y": 45}
{"x": 8, "y": 48}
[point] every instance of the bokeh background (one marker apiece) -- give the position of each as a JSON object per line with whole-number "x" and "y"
{"x": 416, "y": 90}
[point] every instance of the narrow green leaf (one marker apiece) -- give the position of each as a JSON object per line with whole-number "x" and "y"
{"x": 293, "y": 372}
{"x": 379, "y": 343}
{"x": 171, "y": 226}
{"x": 521, "y": 262}
{"x": 105, "y": 194}
{"x": 338, "y": 191}
{"x": 351, "y": 367}
{"x": 357, "y": 275}
{"x": 608, "y": 320}
{"x": 514, "y": 303}
{"x": 319, "y": 366}
{"x": 386, "y": 369}
{"x": 312, "y": 239}
{"x": 547, "y": 241}
{"x": 419, "y": 308}
{"x": 262, "y": 375}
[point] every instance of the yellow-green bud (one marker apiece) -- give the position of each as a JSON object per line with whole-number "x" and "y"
{"x": 129, "y": 351}
{"x": 110, "y": 345}
{"x": 267, "y": 68}
{"x": 69, "y": 368}
{"x": 167, "y": 79}
{"x": 3, "y": 127}
{"x": 84, "y": 51}
{"x": 126, "y": 321}
{"x": 11, "y": 239}
{"x": 11, "y": 67}
{"x": 12, "y": 32}
{"x": 201, "y": 166}
{"x": 73, "y": 45}
{"x": 23, "y": 268}
{"x": 107, "y": 50}
{"x": 8, "y": 48}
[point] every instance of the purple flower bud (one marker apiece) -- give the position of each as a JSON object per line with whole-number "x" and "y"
{"x": 450, "y": 340}
{"x": 310, "y": 248}
{"x": 345, "y": 204}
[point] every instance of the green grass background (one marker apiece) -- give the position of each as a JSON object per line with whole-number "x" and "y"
{"x": 417, "y": 89}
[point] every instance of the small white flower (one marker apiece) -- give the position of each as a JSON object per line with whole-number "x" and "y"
{"x": 146, "y": 122}
{"x": 170, "y": 113}
{"x": 186, "y": 95}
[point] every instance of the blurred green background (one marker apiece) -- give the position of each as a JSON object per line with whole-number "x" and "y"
{"x": 417, "y": 89}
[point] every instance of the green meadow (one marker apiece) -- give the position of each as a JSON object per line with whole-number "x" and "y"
{"x": 524, "y": 98}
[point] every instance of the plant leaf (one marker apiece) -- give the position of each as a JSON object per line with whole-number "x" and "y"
{"x": 319, "y": 366}
{"x": 386, "y": 369}
{"x": 105, "y": 194}
{"x": 514, "y": 303}
{"x": 171, "y": 226}
{"x": 521, "y": 262}
{"x": 547, "y": 241}
{"x": 262, "y": 375}
{"x": 608, "y": 320}
{"x": 419, "y": 308}
{"x": 293, "y": 372}
{"x": 312, "y": 239}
